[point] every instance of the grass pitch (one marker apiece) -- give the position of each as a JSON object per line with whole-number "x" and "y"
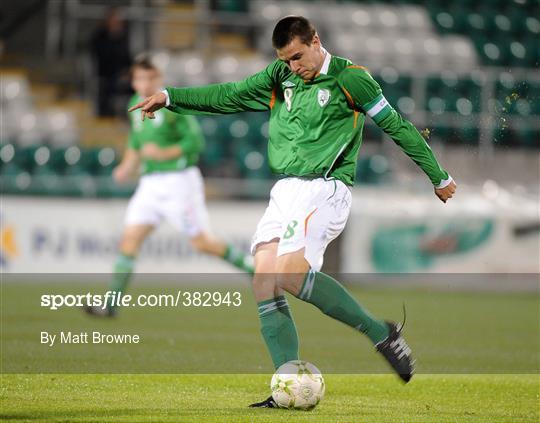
{"x": 451, "y": 334}
{"x": 223, "y": 398}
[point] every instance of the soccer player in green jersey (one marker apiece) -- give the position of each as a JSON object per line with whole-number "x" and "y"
{"x": 318, "y": 104}
{"x": 165, "y": 152}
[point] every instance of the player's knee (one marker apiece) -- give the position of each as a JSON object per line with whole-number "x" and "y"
{"x": 290, "y": 282}
{"x": 202, "y": 244}
{"x": 264, "y": 285}
{"x": 199, "y": 244}
{"x": 262, "y": 279}
{"x": 292, "y": 263}
{"x": 290, "y": 272}
{"x": 282, "y": 281}
{"x": 129, "y": 245}
{"x": 264, "y": 266}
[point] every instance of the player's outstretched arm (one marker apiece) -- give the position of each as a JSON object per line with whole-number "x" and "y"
{"x": 413, "y": 144}
{"x": 150, "y": 104}
{"x": 251, "y": 94}
{"x": 365, "y": 94}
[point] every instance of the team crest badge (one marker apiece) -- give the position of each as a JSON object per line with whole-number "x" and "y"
{"x": 323, "y": 97}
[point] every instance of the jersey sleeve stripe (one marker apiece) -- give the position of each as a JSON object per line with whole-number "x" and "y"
{"x": 357, "y": 67}
{"x": 273, "y": 98}
{"x": 349, "y": 97}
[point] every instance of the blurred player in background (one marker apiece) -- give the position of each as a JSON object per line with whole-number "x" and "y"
{"x": 165, "y": 151}
{"x": 318, "y": 104}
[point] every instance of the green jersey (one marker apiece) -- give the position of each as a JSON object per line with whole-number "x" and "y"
{"x": 315, "y": 127}
{"x": 166, "y": 130}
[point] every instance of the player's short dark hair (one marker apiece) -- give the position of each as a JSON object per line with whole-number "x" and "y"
{"x": 143, "y": 62}
{"x": 290, "y": 27}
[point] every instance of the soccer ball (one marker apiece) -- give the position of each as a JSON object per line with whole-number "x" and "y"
{"x": 297, "y": 385}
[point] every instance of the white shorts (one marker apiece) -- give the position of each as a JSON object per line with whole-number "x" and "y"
{"x": 177, "y": 197}
{"x": 304, "y": 213}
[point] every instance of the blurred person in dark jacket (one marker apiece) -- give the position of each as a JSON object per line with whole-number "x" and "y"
{"x": 110, "y": 51}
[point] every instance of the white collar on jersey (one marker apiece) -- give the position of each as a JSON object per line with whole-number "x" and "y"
{"x": 326, "y": 63}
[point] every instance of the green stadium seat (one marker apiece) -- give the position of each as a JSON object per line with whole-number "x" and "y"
{"x": 471, "y": 90}
{"x": 468, "y": 134}
{"x": 105, "y": 187}
{"x": 461, "y": 19}
{"x": 502, "y": 23}
{"x": 41, "y": 166}
{"x": 532, "y": 50}
{"x": 433, "y": 85}
{"x": 512, "y": 95}
{"x": 24, "y": 157}
{"x": 94, "y": 161}
{"x": 534, "y": 95}
{"x": 493, "y": 26}
{"x": 213, "y": 152}
{"x": 495, "y": 53}
{"x": 372, "y": 132}
{"x": 57, "y": 161}
{"x": 46, "y": 183}
{"x": 532, "y": 25}
{"x": 7, "y": 154}
{"x": 247, "y": 126}
{"x": 442, "y": 134}
{"x": 223, "y": 123}
{"x": 443, "y": 101}
{"x": 406, "y": 105}
{"x": 502, "y": 137}
{"x": 11, "y": 169}
{"x": 476, "y": 22}
{"x": 16, "y": 181}
{"x": 517, "y": 16}
{"x": 395, "y": 89}
{"x": 208, "y": 126}
{"x": 44, "y": 170}
{"x": 527, "y": 136}
{"x": 107, "y": 160}
{"x": 445, "y": 21}
{"x": 231, "y": 6}
{"x": 250, "y": 162}
{"x": 372, "y": 170}
{"x": 83, "y": 165}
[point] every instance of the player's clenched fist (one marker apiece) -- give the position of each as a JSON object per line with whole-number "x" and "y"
{"x": 447, "y": 192}
{"x": 150, "y": 104}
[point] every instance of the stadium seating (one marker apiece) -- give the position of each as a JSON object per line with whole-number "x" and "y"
{"x": 504, "y": 32}
{"x": 372, "y": 34}
{"x": 446, "y": 67}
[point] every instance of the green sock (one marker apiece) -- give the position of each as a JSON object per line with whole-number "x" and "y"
{"x": 123, "y": 269}
{"x": 329, "y": 296}
{"x": 278, "y": 330}
{"x": 238, "y": 259}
